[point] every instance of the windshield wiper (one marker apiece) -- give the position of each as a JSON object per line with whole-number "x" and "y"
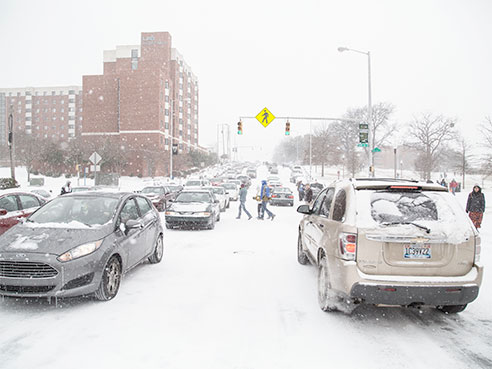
{"x": 427, "y": 230}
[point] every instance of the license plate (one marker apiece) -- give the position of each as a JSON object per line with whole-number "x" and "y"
{"x": 417, "y": 252}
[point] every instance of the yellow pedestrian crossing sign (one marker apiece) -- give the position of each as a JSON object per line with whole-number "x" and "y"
{"x": 265, "y": 117}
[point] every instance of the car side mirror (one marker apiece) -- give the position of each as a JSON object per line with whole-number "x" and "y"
{"x": 133, "y": 224}
{"x": 216, "y": 201}
{"x": 3, "y": 212}
{"x": 304, "y": 209}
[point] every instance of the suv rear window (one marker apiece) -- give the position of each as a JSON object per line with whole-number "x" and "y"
{"x": 387, "y": 207}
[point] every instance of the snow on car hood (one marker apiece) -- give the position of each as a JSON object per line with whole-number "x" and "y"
{"x": 47, "y": 239}
{"x": 190, "y": 206}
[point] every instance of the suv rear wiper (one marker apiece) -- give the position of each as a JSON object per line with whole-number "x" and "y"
{"x": 427, "y": 230}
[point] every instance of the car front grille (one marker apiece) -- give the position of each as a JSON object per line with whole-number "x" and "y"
{"x": 25, "y": 289}
{"x": 26, "y": 269}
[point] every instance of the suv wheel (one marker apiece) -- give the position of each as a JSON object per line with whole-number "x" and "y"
{"x": 301, "y": 255}
{"x": 324, "y": 287}
{"x": 451, "y": 309}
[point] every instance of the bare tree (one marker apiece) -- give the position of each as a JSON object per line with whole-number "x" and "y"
{"x": 429, "y": 134}
{"x": 325, "y": 146}
{"x": 27, "y": 150}
{"x": 346, "y": 136}
{"x": 380, "y": 123}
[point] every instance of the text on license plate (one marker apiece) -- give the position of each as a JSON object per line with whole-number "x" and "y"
{"x": 417, "y": 252}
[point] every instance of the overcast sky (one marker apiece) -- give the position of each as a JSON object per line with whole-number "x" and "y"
{"x": 427, "y": 56}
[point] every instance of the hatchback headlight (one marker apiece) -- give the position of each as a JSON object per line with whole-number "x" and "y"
{"x": 204, "y": 214}
{"x": 79, "y": 251}
{"x": 170, "y": 212}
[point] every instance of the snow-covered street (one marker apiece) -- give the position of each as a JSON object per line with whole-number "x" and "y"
{"x": 235, "y": 297}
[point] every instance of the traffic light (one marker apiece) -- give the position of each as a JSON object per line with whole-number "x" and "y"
{"x": 240, "y": 128}
{"x": 287, "y": 128}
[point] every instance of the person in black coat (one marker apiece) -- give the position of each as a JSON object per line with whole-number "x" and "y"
{"x": 475, "y": 206}
{"x": 308, "y": 194}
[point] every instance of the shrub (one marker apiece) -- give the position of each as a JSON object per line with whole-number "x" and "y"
{"x": 8, "y": 183}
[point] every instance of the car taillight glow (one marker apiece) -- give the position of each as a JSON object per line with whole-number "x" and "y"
{"x": 478, "y": 248}
{"x": 348, "y": 245}
{"x": 290, "y": 197}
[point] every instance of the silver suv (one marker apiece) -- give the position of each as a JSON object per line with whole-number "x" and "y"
{"x": 390, "y": 242}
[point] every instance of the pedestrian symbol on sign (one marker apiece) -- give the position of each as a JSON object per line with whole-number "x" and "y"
{"x": 265, "y": 117}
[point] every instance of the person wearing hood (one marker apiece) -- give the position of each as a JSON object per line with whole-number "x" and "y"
{"x": 243, "y": 192}
{"x": 475, "y": 206}
{"x": 265, "y": 194}
{"x": 66, "y": 189}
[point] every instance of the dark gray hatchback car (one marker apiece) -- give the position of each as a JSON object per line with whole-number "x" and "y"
{"x": 79, "y": 244}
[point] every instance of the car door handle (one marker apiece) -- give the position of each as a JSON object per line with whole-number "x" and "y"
{"x": 321, "y": 225}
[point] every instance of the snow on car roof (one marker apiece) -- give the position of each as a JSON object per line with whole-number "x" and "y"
{"x": 380, "y": 183}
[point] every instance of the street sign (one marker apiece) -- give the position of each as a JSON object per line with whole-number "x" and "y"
{"x": 95, "y": 168}
{"x": 175, "y": 149}
{"x": 363, "y": 137}
{"x": 362, "y": 145}
{"x": 265, "y": 117}
{"x": 363, "y": 126}
{"x": 95, "y": 158}
{"x": 376, "y": 149}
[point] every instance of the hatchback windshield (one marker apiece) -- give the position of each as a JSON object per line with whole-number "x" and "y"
{"x": 387, "y": 207}
{"x": 193, "y": 197}
{"x": 159, "y": 190}
{"x": 87, "y": 210}
{"x": 218, "y": 190}
{"x": 229, "y": 186}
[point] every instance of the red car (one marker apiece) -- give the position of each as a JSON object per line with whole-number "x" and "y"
{"x": 15, "y": 205}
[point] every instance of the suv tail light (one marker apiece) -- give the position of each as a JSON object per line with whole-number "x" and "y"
{"x": 348, "y": 245}
{"x": 478, "y": 248}
{"x": 290, "y": 196}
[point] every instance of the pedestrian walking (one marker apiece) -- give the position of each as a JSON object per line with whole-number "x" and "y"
{"x": 300, "y": 189}
{"x": 265, "y": 197}
{"x": 475, "y": 206}
{"x": 258, "y": 198}
{"x": 443, "y": 183}
{"x": 243, "y": 192}
{"x": 66, "y": 189}
{"x": 308, "y": 194}
{"x": 452, "y": 186}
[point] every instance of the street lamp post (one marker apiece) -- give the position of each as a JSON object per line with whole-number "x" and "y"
{"x": 11, "y": 143}
{"x": 369, "y": 108}
{"x": 401, "y": 168}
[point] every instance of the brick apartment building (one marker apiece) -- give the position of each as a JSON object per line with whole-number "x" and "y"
{"x": 146, "y": 96}
{"x": 45, "y": 112}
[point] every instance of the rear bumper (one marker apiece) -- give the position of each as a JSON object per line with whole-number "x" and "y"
{"x": 406, "y": 295}
{"x": 287, "y": 202}
{"x": 433, "y": 291}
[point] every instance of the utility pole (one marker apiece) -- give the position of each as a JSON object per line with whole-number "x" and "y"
{"x": 171, "y": 139}
{"x": 11, "y": 143}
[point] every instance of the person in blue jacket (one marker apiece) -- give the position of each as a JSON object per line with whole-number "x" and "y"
{"x": 265, "y": 194}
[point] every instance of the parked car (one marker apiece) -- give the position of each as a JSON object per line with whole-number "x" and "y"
{"x": 221, "y": 194}
{"x": 390, "y": 242}
{"x": 194, "y": 209}
{"x": 232, "y": 190}
{"x": 83, "y": 188}
{"x": 80, "y": 244}
{"x": 175, "y": 189}
{"x": 251, "y": 172}
{"x": 244, "y": 180}
{"x": 45, "y": 194}
{"x": 282, "y": 196}
{"x": 197, "y": 183}
{"x": 15, "y": 206}
{"x": 316, "y": 188}
{"x": 160, "y": 196}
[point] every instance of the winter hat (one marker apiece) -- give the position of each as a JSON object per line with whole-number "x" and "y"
{"x": 263, "y": 182}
